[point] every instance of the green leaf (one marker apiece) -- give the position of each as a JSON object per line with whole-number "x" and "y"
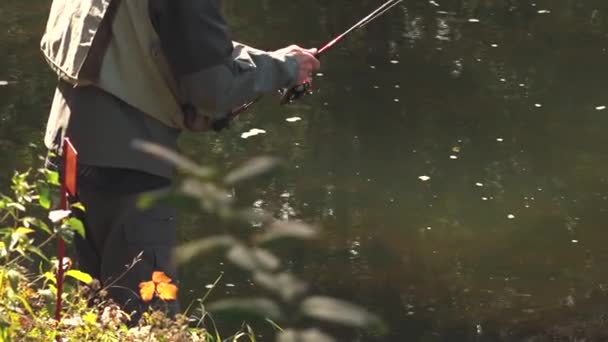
{"x": 172, "y": 157}
{"x": 53, "y": 289}
{"x": 14, "y": 277}
{"x": 66, "y": 234}
{"x": 187, "y": 251}
{"x": 77, "y": 226}
{"x": 16, "y": 205}
{"x": 80, "y": 276}
{"x": 90, "y": 318}
{"x": 211, "y": 196}
{"x": 253, "y": 307}
{"x": 79, "y": 206}
{"x": 23, "y": 231}
{"x": 251, "y": 169}
{"x": 284, "y": 284}
{"x": 337, "y": 311}
{"x": 253, "y": 259}
{"x": 50, "y": 277}
{"x": 285, "y": 229}
{"x": 52, "y": 177}
{"x": 5, "y": 331}
{"x": 148, "y": 199}
{"x": 44, "y": 195}
{"x": 29, "y": 221}
{"x": 26, "y": 305}
{"x": 310, "y": 335}
{"x": 38, "y": 252}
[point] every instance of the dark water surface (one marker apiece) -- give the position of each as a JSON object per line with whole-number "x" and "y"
{"x": 454, "y": 154}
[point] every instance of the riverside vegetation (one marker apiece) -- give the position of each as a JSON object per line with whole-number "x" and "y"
{"x": 29, "y": 228}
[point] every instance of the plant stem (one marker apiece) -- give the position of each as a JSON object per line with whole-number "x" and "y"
{"x": 44, "y": 243}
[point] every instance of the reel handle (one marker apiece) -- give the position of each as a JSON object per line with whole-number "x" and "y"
{"x": 295, "y": 93}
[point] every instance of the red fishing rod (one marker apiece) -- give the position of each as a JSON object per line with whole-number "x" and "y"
{"x": 296, "y": 92}
{"x": 300, "y": 90}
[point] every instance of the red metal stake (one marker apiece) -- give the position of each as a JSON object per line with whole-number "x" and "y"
{"x": 68, "y": 186}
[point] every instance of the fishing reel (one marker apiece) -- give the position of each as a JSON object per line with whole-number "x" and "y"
{"x": 295, "y": 93}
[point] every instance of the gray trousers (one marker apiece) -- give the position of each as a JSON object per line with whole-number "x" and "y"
{"x": 117, "y": 231}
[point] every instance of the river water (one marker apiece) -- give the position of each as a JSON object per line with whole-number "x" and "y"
{"x": 454, "y": 154}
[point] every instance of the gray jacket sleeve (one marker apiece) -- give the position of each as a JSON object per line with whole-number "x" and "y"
{"x": 245, "y": 75}
{"x": 215, "y": 74}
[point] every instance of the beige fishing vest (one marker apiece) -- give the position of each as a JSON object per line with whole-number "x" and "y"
{"x": 112, "y": 44}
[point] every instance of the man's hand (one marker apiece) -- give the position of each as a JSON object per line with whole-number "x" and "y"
{"x": 307, "y": 62}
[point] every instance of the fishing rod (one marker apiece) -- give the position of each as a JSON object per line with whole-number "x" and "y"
{"x": 296, "y": 92}
{"x": 300, "y": 90}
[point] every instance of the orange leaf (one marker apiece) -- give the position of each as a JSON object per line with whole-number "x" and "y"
{"x": 160, "y": 277}
{"x": 146, "y": 290}
{"x": 166, "y": 291}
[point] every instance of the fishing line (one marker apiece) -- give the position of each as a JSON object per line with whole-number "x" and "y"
{"x": 369, "y": 18}
{"x": 381, "y": 13}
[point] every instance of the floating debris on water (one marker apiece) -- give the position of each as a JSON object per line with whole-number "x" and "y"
{"x": 397, "y": 86}
{"x": 538, "y": 105}
{"x": 376, "y": 87}
{"x": 543, "y": 12}
{"x": 3, "y": 83}
{"x": 484, "y": 198}
{"x": 503, "y": 80}
{"x": 396, "y": 100}
{"x": 479, "y": 184}
{"x": 372, "y": 67}
{"x": 510, "y": 216}
{"x": 600, "y": 108}
{"x": 285, "y": 195}
{"x": 394, "y": 61}
{"x": 429, "y": 228}
{"x": 494, "y": 45}
{"x": 424, "y": 178}
{"x": 209, "y": 286}
{"x": 500, "y": 139}
{"x": 230, "y": 285}
{"x": 434, "y": 3}
{"x": 252, "y": 132}
{"x": 320, "y": 74}
{"x": 293, "y": 119}
{"x": 574, "y": 241}
{"x": 453, "y": 157}
{"x": 473, "y": 20}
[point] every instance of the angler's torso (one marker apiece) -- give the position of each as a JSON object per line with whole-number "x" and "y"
{"x": 112, "y": 45}
{"x": 104, "y": 107}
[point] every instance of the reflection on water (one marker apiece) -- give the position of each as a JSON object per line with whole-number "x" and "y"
{"x": 453, "y": 152}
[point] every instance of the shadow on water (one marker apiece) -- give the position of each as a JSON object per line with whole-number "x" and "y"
{"x": 454, "y": 153}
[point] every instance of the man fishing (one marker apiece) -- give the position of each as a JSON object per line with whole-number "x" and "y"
{"x": 149, "y": 70}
